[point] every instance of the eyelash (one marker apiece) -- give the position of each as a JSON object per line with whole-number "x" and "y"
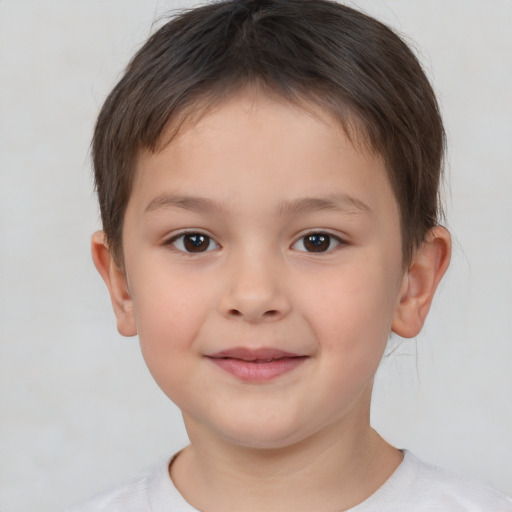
{"x": 321, "y": 236}
{"x": 175, "y": 241}
{"x": 179, "y": 242}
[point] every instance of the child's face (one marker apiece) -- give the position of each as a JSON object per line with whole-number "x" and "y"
{"x": 262, "y": 228}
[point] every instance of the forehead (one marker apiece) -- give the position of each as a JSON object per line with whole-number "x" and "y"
{"x": 254, "y": 146}
{"x": 249, "y": 97}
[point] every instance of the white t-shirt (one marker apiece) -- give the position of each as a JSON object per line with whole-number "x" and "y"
{"x": 413, "y": 487}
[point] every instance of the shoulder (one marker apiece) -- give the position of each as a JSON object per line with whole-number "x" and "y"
{"x": 128, "y": 497}
{"x": 146, "y": 493}
{"x": 431, "y": 488}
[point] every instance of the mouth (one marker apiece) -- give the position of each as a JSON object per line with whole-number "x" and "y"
{"x": 257, "y": 365}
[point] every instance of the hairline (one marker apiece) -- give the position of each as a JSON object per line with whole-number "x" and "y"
{"x": 308, "y": 100}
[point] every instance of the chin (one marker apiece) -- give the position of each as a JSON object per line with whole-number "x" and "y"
{"x": 262, "y": 436}
{"x": 261, "y": 443}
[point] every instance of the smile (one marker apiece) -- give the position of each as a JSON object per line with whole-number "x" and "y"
{"x": 256, "y": 365}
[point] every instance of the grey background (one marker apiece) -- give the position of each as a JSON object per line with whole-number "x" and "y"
{"x": 78, "y": 410}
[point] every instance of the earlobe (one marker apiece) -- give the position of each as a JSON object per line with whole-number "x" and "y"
{"x": 419, "y": 283}
{"x": 115, "y": 280}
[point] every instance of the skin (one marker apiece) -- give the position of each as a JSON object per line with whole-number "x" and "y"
{"x": 257, "y": 176}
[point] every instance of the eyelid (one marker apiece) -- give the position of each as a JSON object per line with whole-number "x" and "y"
{"x": 170, "y": 241}
{"x": 339, "y": 240}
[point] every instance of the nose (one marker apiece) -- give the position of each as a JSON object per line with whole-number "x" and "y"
{"x": 254, "y": 290}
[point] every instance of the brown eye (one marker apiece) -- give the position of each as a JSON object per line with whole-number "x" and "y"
{"x": 317, "y": 242}
{"x": 194, "y": 243}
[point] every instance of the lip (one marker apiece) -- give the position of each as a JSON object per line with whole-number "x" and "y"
{"x": 256, "y": 365}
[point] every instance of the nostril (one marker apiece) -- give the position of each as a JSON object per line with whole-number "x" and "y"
{"x": 271, "y": 313}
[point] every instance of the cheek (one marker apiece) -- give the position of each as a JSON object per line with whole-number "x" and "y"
{"x": 352, "y": 309}
{"x": 169, "y": 313}
{"x": 168, "y": 322}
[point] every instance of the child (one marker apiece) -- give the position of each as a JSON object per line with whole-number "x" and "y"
{"x": 268, "y": 177}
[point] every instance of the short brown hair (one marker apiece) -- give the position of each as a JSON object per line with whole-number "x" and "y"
{"x": 315, "y": 51}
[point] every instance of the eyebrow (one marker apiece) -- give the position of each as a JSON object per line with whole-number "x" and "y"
{"x": 193, "y": 203}
{"x": 336, "y": 202}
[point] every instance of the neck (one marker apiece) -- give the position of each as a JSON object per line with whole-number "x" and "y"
{"x": 334, "y": 470}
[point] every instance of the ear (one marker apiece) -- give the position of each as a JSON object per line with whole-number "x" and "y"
{"x": 419, "y": 283}
{"x": 115, "y": 279}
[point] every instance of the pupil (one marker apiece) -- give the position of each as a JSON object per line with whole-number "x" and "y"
{"x": 317, "y": 243}
{"x": 196, "y": 243}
